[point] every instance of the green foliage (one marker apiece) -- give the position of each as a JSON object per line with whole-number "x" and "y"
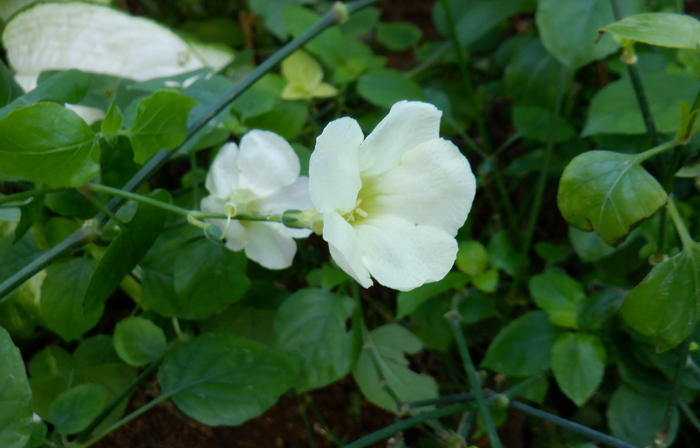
{"x": 578, "y": 362}
{"x": 635, "y": 418}
{"x": 559, "y": 295}
{"x": 662, "y": 29}
{"x": 138, "y": 341}
{"x": 74, "y": 409}
{"x": 386, "y": 87}
{"x": 69, "y": 86}
{"x": 15, "y": 395}
{"x": 398, "y": 36}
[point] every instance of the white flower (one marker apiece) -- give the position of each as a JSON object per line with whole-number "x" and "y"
{"x": 392, "y": 202}
{"x": 261, "y": 178}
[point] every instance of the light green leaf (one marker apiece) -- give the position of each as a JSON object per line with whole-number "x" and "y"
{"x": 69, "y": 86}
{"x": 271, "y": 13}
{"x": 62, "y": 298}
{"x": 569, "y": 30}
{"x": 222, "y": 379}
{"x": 578, "y": 363}
{"x": 15, "y": 395}
{"x": 666, "y": 304}
{"x": 386, "y": 87}
{"x": 472, "y": 257}
{"x": 138, "y": 341}
{"x": 541, "y": 125}
{"x": 398, "y": 36}
{"x": 523, "y": 347}
{"x": 658, "y": 28}
{"x": 588, "y": 245}
{"x": 503, "y": 256}
{"x": 112, "y": 122}
{"x": 408, "y": 301}
{"x": 47, "y": 143}
{"x": 689, "y": 171}
{"x": 486, "y": 281}
{"x": 327, "y": 45}
{"x": 609, "y": 193}
{"x": 387, "y": 345}
{"x": 615, "y": 110}
{"x": 74, "y": 409}
{"x": 636, "y": 418}
{"x": 559, "y": 295}
{"x": 311, "y": 325}
{"x": 126, "y": 251}
{"x": 161, "y": 123}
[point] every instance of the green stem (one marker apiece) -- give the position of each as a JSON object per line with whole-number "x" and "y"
{"x": 195, "y": 185}
{"x": 656, "y": 150}
{"x": 675, "y": 388}
{"x": 465, "y": 424}
{"x": 113, "y": 405}
{"x": 682, "y": 230}
{"x": 689, "y": 414}
{"x": 401, "y": 425}
{"x": 322, "y": 421}
{"x": 474, "y": 382}
{"x": 305, "y": 420}
{"x": 575, "y": 427}
{"x": 694, "y": 369}
{"x": 181, "y": 336}
{"x": 18, "y": 197}
{"x": 137, "y": 197}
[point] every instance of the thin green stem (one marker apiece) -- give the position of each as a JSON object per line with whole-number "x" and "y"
{"x": 178, "y": 331}
{"x": 575, "y": 427}
{"x": 322, "y": 421}
{"x": 474, "y": 382}
{"x": 689, "y": 414}
{"x": 195, "y": 185}
{"x": 693, "y": 116}
{"x": 137, "y": 197}
{"x": 101, "y": 207}
{"x": 656, "y": 150}
{"x": 401, "y": 425}
{"x": 693, "y": 367}
{"x": 682, "y": 230}
{"x": 305, "y": 420}
{"x": 19, "y": 197}
{"x": 675, "y": 388}
{"x": 83, "y": 436}
{"x": 465, "y": 424}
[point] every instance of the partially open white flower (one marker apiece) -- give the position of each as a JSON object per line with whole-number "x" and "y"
{"x": 392, "y": 202}
{"x": 261, "y": 178}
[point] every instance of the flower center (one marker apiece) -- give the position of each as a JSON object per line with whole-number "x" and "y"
{"x": 356, "y": 213}
{"x": 241, "y": 202}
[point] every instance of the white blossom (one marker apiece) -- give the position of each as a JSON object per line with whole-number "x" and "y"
{"x": 260, "y": 178}
{"x": 392, "y": 202}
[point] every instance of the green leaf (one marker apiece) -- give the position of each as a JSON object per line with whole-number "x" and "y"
{"x": 569, "y": 30}
{"x": 482, "y": 17}
{"x": 475, "y": 307}
{"x": 69, "y": 86}
{"x": 599, "y": 307}
{"x": 126, "y": 251}
{"x": 552, "y": 253}
{"x": 658, "y": 28}
{"x": 30, "y": 213}
{"x": 112, "y": 122}
{"x": 408, "y": 301}
{"x": 397, "y": 36}
{"x": 636, "y": 418}
{"x": 327, "y": 45}
{"x": 578, "y": 363}
{"x": 384, "y": 350}
{"x": 74, "y": 409}
{"x": 486, "y": 281}
{"x": 609, "y": 193}
{"x": 559, "y": 295}
{"x": 222, "y": 379}
{"x": 271, "y": 13}
{"x": 16, "y": 255}
{"x": 472, "y": 257}
{"x": 588, "y": 245}
{"x": 542, "y": 125}
{"x": 503, "y": 256}
{"x": 523, "y": 347}
{"x": 138, "y": 341}
{"x": 428, "y": 323}
{"x": 62, "y": 298}
{"x": 286, "y": 119}
{"x": 615, "y": 110}
{"x": 15, "y": 395}
{"x": 386, "y": 87}
{"x": 47, "y": 143}
{"x": 666, "y": 304}
{"x": 9, "y": 88}
{"x": 311, "y": 325}
{"x": 161, "y": 123}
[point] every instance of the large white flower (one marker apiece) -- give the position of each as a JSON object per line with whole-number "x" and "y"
{"x": 392, "y": 202}
{"x": 261, "y": 178}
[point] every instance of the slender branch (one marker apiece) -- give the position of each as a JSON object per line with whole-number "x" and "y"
{"x": 305, "y": 419}
{"x": 693, "y": 367}
{"x": 18, "y": 197}
{"x": 474, "y": 382}
{"x": 113, "y": 405}
{"x": 689, "y": 414}
{"x": 682, "y": 230}
{"x": 125, "y": 194}
{"x": 575, "y": 427}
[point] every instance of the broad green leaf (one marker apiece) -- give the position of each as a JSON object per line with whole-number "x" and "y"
{"x": 578, "y": 363}
{"x": 599, "y": 307}
{"x": 327, "y": 45}
{"x": 9, "y": 89}
{"x": 47, "y": 143}
{"x": 222, "y": 379}
{"x": 94, "y": 351}
{"x": 541, "y": 125}
{"x": 126, "y": 251}
{"x": 658, "y": 28}
{"x": 486, "y": 281}
{"x": 666, "y": 304}
{"x": 304, "y": 76}
{"x": 482, "y": 17}
{"x": 246, "y": 321}
{"x": 30, "y": 213}
{"x": 689, "y": 171}
{"x": 253, "y": 102}
{"x": 311, "y": 325}
{"x": 472, "y": 257}
{"x": 397, "y": 36}
{"x": 15, "y": 395}
{"x": 457, "y": 9}
{"x": 112, "y": 122}
{"x": 69, "y": 86}
{"x": 161, "y": 123}
{"x": 384, "y": 350}
{"x": 552, "y": 253}
{"x": 569, "y": 30}
{"x": 475, "y": 307}
{"x": 271, "y": 12}
{"x": 361, "y": 22}
{"x": 588, "y": 245}
{"x": 15, "y": 255}
{"x": 408, "y": 301}
{"x": 609, "y": 193}
{"x": 138, "y": 341}
{"x": 615, "y": 110}
{"x": 74, "y": 409}
{"x": 62, "y": 298}
{"x": 386, "y": 87}
{"x": 636, "y": 418}
{"x": 523, "y": 347}
{"x": 559, "y": 295}
{"x": 286, "y": 119}
{"x": 428, "y": 323}
{"x": 503, "y": 256}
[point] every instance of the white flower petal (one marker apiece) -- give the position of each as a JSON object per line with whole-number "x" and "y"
{"x": 270, "y": 245}
{"x": 223, "y": 176}
{"x": 236, "y": 234}
{"x": 334, "y": 175}
{"x": 293, "y": 197}
{"x": 345, "y": 247}
{"x": 408, "y": 124}
{"x": 267, "y": 163}
{"x": 433, "y": 185}
{"x": 403, "y": 256}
